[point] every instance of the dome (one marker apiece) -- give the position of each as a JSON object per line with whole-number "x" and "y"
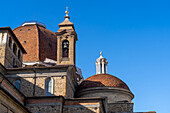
{"x": 39, "y": 42}
{"x": 102, "y": 80}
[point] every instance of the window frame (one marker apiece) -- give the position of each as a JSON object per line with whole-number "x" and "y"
{"x": 47, "y": 93}
{"x": 19, "y": 88}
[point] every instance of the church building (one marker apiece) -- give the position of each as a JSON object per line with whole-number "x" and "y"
{"x": 38, "y": 74}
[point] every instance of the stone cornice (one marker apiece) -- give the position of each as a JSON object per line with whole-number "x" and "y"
{"x": 105, "y": 89}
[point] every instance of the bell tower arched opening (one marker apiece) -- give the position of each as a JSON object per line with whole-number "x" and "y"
{"x": 65, "y": 49}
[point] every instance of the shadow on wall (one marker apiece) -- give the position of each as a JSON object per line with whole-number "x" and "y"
{"x": 35, "y": 86}
{"x": 38, "y": 92}
{"x": 87, "y": 84}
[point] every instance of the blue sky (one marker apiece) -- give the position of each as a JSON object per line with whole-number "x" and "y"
{"x": 134, "y": 36}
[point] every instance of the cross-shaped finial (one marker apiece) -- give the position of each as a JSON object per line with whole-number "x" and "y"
{"x": 66, "y": 11}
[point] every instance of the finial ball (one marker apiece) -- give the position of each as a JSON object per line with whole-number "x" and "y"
{"x": 66, "y": 11}
{"x": 100, "y": 52}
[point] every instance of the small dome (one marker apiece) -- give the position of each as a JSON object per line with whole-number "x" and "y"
{"x": 102, "y": 80}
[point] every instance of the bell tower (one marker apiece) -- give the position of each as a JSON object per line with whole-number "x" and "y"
{"x": 66, "y": 42}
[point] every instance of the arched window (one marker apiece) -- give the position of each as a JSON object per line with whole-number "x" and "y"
{"x": 65, "y": 48}
{"x": 49, "y": 86}
{"x": 18, "y": 84}
{"x": 101, "y": 67}
{"x": 19, "y": 55}
{"x": 104, "y": 68}
{"x": 14, "y": 63}
{"x": 10, "y": 42}
{"x": 14, "y": 48}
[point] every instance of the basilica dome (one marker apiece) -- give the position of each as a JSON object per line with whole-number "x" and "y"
{"x": 103, "y": 80}
{"x": 104, "y": 85}
{"x": 39, "y": 42}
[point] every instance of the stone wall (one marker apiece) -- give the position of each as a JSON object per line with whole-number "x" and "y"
{"x": 44, "y": 108}
{"x": 7, "y": 57}
{"x": 82, "y": 109}
{"x": 9, "y": 105}
{"x": 69, "y": 89}
{"x": 33, "y": 81}
{"x": 11, "y": 100}
{"x": 120, "y": 107}
{"x": 71, "y": 57}
{"x": 2, "y": 69}
{"x": 45, "y": 104}
{"x": 146, "y": 112}
{"x": 112, "y": 93}
{"x": 84, "y": 105}
{"x": 58, "y": 104}
{"x": 2, "y": 54}
{"x": 31, "y": 86}
{"x": 71, "y": 83}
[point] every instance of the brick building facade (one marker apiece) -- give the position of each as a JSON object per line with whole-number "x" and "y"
{"x": 46, "y": 79}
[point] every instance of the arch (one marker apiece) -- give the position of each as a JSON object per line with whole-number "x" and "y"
{"x": 14, "y": 48}
{"x": 101, "y": 68}
{"x": 49, "y": 86}
{"x": 104, "y": 68}
{"x": 65, "y": 48}
{"x": 18, "y": 84}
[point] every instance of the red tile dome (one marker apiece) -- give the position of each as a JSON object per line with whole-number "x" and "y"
{"x": 102, "y": 80}
{"x": 39, "y": 42}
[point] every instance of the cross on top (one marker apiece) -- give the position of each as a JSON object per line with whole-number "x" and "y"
{"x": 66, "y": 11}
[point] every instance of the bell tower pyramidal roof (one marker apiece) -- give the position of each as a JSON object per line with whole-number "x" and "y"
{"x": 66, "y": 24}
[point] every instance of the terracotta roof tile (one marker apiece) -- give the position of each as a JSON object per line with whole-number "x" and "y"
{"x": 39, "y": 42}
{"x": 102, "y": 80}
